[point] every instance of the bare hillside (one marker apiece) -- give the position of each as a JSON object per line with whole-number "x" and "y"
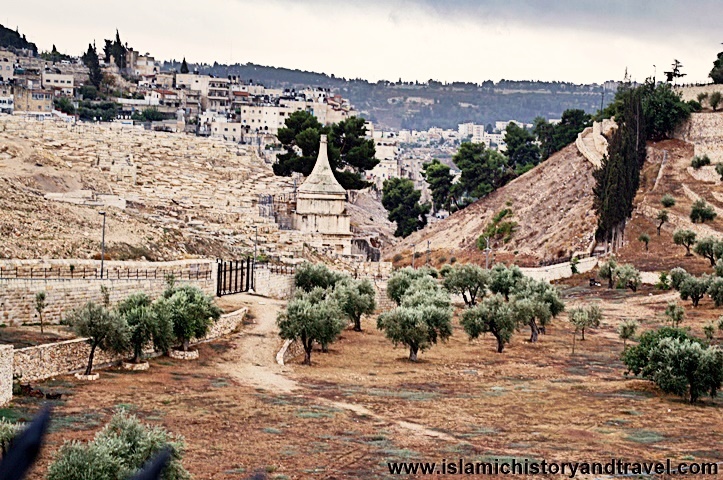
{"x": 701, "y": 135}
{"x": 551, "y": 205}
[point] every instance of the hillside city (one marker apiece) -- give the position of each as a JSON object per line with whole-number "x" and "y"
{"x": 299, "y": 275}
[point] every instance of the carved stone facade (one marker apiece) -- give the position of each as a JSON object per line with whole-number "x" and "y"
{"x": 321, "y": 208}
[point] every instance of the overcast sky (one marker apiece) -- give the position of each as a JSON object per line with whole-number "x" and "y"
{"x": 570, "y": 40}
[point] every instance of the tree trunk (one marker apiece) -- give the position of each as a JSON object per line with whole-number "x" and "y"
{"x": 413, "y": 353}
{"x": 308, "y": 345}
{"x": 137, "y": 354}
{"x": 610, "y": 280}
{"x": 534, "y": 331}
{"x": 89, "y": 368}
{"x": 41, "y": 322}
{"x": 574, "y": 335}
{"x": 184, "y": 345}
{"x": 582, "y": 334}
{"x": 466, "y": 302}
{"x": 659, "y": 227}
{"x": 357, "y": 324}
{"x": 324, "y": 348}
{"x": 500, "y": 343}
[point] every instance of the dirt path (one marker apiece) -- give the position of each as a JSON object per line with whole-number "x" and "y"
{"x": 251, "y": 361}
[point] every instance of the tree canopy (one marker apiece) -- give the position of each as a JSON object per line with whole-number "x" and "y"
{"x": 439, "y": 179}
{"x": 483, "y": 171}
{"x": 618, "y": 178}
{"x": 716, "y": 73}
{"x": 522, "y": 151}
{"x": 350, "y": 153}
{"x": 90, "y": 60}
{"x": 401, "y": 200}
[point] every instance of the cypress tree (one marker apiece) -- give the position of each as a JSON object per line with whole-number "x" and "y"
{"x": 618, "y": 178}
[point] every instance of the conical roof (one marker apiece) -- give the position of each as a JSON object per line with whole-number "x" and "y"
{"x": 322, "y": 178}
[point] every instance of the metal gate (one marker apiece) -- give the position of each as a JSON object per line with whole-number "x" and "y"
{"x": 234, "y": 276}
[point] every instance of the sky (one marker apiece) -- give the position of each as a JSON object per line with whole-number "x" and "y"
{"x": 578, "y": 41}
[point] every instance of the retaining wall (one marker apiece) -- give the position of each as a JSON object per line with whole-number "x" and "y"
{"x": 49, "y": 360}
{"x": 273, "y": 285}
{"x": 17, "y": 295}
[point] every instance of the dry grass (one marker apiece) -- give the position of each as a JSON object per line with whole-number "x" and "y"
{"x": 533, "y": 401}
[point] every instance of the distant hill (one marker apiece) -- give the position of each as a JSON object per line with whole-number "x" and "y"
{"x": 431, "y": 104}
{"x": 13, "y": 39}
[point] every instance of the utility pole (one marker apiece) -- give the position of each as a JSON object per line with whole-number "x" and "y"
{"x": 487, "y": 253}
{"x": 102, "y": 246}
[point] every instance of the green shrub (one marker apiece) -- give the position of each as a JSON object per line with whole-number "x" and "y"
{"x": 637, "y": 357}
{"x": 675, "y": 314}
{"x": 192, "y": 313}
{"x": 698, "y": 162}
{"x": 663, "y": 281}
{"x": 701, "y": 212}
{"x": 118, "y": 451}
{"x": 667, "y": 200}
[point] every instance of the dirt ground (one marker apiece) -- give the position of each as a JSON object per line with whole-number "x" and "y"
{"x": 364, "y": 404}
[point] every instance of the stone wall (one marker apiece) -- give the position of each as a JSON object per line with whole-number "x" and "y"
{"x": 6, "y": 373}
{"x": 691, "y": 93}
{"x": 49, "y": 360}
{"x": 559, "y": 271}
{"x": 705, "y": 132}
{"x": 17, "y": 295}
{"x": 273, "y": 285}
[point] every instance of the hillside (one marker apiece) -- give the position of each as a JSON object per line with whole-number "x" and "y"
{"x": 13, "y": 39}
{"x": 551, "y": 204}
{"x": 420, "y": 106}
{"x": 703, "y": 134}
{"x": 552, "y": 207}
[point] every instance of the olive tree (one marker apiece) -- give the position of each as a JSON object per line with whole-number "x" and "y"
{"x": 120, "y": 450}
{"x": 607, "y": 271}
{"x": 685, "y": 238}
{"x": 492, "y": 315}
{"x": 701, "y": 212}
{"x": 308, "y": 276}
{"x": 677, "y": 276}
{"x": 503, "y": 279}
{"x": 423, "y": 317}
{"x": 311, "y": 317}
{"x": 627, "y": 276}
{"x": 694, "y": 288}
{"x": 400, "y": 281}
{"x": 535, "y": 303}
{"x": 710, "y": 248}
{"x": 468, "y": 280}
{"x": 644, "y": 238}
{"x": 709, "y": 331}
{"x": 192, "y": 313}
{"x": 667, "y": 200}
{"x": 148, "y": 324}
{"x": 627, "y": 330}
{"x": 40, "y": 304}
{"x": 582, "y": 318}
{"x": 662, "y": 218}
{"x": 355, "y": 298}
{"x": 675, "y": 313}
{"x": 715, "y": 290}
{"x": 103, "y": 329}
{"x": 686, "y": 368}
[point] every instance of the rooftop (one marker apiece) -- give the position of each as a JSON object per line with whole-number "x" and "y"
{"x": 322, "y": 180}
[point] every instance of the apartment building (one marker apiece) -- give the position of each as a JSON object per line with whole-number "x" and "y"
{"x": 61, "y": 83}
{"x": 8, "y": 60}
{"x": 31, "y": 100}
